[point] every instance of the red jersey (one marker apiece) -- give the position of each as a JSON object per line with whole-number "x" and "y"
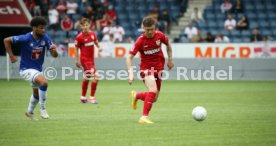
{"x": 86, "y": 44}
{"x": 150, "y": 50}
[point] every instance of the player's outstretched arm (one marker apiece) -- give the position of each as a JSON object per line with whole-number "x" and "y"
{"x": 129, "y": 67}
{"x": 53, "y": 50}
{"x": 8, "y": 46}
{"x": 170, "y": 61}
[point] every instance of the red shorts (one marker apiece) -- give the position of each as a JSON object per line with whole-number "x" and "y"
{"x": 88, "y": 67}
{"x": 157, "y": 76}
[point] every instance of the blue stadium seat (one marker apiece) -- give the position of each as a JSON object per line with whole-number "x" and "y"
{"x": 266, "y": 32}
{"x": 274, "y": 32}
{"x": 253, "y": 25}
{"x": 226, "y": 33}
{"x": 212, "y": 24}
{"x": 235, "y": 33}
{"x": 260, "y": 7}
{"x": 73, "y": 33}
{"x": 122, "y": 17}
{"x": 273, "y": 24}
{"x": 251, "y": 16}
{"x": 236, "y": 40}
{"x": 249, "y": 7}
{"x": 220, "y": 17}
{"x": 202, "y": 25}
{"x": 264, "y": 25}
{"x": 271, "y": 16}
{"x": 210, "y": 17}
{"x": 261, "y": 16}
{"x": 246, "y": 39}
{"x": 245, "y": 33}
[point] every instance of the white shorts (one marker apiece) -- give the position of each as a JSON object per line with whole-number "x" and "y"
{"x": 30, "y": 75}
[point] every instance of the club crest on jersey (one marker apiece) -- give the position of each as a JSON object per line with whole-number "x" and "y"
{"x": 158, "y": 42}
{"x": 43, "y": 43}
{"x": 92, "y": 37}
{"x": 31, "y": 45}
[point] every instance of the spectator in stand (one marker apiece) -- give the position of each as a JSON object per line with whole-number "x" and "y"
{"x": 209, "y": 38}
{"x": 89, "y": 13}
{"x": 103, "y": 22}
{"x": 71, "y": 6}
{"x": 164, "y": 21}
{"x": 155, "y": 12}
{"x": 118, "y": 33}
{"x": 130, "y": 40}
{"x": 196, "y": 16}
{"x": 256, "y": 36}
{"x": 77, "y": 25}
{"x": 30, "y": 5}
{"x": 111, "y": 13}
{"x": 226, "y": 7}
{"x": 197, "y": 38}
{"x": 190, "y": 31}
{"x": 96, "y": 4}
{"x": 37, "y": 8}
{"x": 107, "y": 36}
{"x": 237, "y": 7}
{"x": 221, "y": 38}
{"x": 61, "y": 7}
{"x": 66, "y": 25}
{"x": 53, "y": 18}
{"x": 44, "y": 8}
{"x": 243, "y": 24}
{"x": 230, "y": 23}
{"x": 98, "y": 9}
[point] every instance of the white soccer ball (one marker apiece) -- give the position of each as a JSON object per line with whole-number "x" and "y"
{"x": 199, "y": 113}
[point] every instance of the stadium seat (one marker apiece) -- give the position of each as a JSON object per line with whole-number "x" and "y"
{"x": 266, "y": 32}
{"x": 264, "y": 25}
{"x": 212, "y": 25}
{"x": 235, "y": 33}
{"x": 245, "y": 33}
{"x": 236, "y": 40}
{"x": 246, "y": 39}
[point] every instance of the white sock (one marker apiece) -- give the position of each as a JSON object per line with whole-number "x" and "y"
{"x": 32, "y": 104}
{"x": 42, "y": 99}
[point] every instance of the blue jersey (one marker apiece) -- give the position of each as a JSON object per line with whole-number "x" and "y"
{"x": 32, "y": 51}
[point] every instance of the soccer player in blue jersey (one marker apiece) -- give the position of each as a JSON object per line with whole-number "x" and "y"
{"x": 33, "y": 46}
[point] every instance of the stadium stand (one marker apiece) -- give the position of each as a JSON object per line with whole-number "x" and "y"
{"x": 261, "y": 14}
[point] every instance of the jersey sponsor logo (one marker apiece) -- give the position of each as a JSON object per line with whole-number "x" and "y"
{"x": 145, "y": 46}
{"x": 36, "y": 53}
{"x": 158, "y": 42}
{"x": 149, "y": 52}
{"x": 89, "y": 44}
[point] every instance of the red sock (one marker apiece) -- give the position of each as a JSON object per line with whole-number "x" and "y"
{"x": 150, "y": 98}
{"x": 84, "y": 87}
{"x": 141, "y": 95}
{"x": 93, "y": 88}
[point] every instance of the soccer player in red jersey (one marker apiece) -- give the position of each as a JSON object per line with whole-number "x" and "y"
{"x": 151, "y": 67}
{"x": 85, "y": 43}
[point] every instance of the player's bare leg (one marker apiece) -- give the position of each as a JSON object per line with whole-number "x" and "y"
{"x": 149, "y": 99}
{"x": 43, "y": 85}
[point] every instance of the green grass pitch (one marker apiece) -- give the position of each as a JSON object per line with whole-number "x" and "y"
{"x": 240, "y": 113}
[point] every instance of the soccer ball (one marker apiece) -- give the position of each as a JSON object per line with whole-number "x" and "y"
{"x": 199, "y": 113}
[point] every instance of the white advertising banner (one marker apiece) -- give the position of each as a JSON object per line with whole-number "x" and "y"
{"x": 196, "y": 50}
